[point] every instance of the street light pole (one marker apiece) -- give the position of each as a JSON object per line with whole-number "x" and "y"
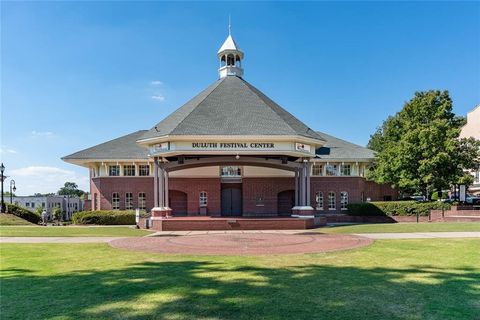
{"x": 2, "y": 169}
{"x": 12, "y": 183}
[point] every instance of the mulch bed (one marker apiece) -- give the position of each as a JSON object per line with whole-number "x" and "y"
{"x": 243, "y": 244}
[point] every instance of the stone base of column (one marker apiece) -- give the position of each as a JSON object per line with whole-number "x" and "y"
{"x": 159, "y": 213}
{"x": 304, "y": 212}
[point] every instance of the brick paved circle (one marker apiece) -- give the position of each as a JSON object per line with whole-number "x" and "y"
{"x": 243, "y": 244}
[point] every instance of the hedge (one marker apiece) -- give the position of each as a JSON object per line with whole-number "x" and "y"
{"x": 395, "y": 208}
{"x": 104, "y": 217}
{"x": 23, "y": 213}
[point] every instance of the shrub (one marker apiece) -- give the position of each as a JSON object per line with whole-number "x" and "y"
{"x": 57, "y": 214}
{"x": 436, "y": 197}
{"x": 104, "y": 217}
{"x": 395, "y": 208}
{"x": 23, "y": 213}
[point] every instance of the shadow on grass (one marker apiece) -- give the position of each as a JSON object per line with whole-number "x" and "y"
{"x": 217, "y": 290}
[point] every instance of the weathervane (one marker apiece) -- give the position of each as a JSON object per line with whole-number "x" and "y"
{"x": 229, "y": 25}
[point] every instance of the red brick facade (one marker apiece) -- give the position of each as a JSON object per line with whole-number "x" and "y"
{"x": 260, "y": 196}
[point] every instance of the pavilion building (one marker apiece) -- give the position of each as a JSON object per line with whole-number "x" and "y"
{"x": 229, "y": 151}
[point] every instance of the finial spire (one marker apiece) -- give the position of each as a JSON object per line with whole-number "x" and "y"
{"x": 229, "y": 25}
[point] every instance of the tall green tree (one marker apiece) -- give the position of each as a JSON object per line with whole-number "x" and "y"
{"x": 419, "y": 150}
{"x": 70, "y": 189}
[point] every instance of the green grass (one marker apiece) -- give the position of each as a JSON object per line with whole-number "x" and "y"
{"x": 70, "y": 231}
{"x": 403, "y": 227}
{"x": 392, "y": 279}
{"x": 12, "y": 220}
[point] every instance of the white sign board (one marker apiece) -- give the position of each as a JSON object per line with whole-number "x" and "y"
{"x": 463, "y": 193}
{"x": 302, "y": 147}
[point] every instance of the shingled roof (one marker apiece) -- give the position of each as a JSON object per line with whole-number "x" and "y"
{"x": 123, "y": 148}
{"x": 230, "y": 106}
{"x": 338, "y": 149}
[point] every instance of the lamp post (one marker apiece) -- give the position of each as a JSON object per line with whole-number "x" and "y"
{"x": 13, "y": 188}
{"x": 2, "y": 169}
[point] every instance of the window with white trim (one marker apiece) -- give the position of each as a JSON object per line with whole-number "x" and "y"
{"x": 331, "y": 169}
{"x": 142, "y": 200}
{"x": 144, "y": 170}
{"x": 203, "y": 199}
{"x": 231, "y": 171}
{"x": 319, "y": 200}
{"x": 116, "y": 201}
{"x": 343, "y": 200}
{"x": 128, "y": 201}
{"x": 346, "y": 170}
{"x": 129, "y": 170}
{"x": 114, "y": 171}
{"x": 317, "y": 169}
{"x": 331, "y": 201}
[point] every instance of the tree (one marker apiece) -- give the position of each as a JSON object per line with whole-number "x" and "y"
{"x": 419, "y": 150}
{"x": 70, "y": 189}
{"x": 57, "y": 214}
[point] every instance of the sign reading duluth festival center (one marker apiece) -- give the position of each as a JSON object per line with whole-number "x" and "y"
{"x": 232, "y": 145}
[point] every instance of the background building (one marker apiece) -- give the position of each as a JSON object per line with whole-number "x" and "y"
{"x": 472, "y": 129}
{"x": 69, "y": 205}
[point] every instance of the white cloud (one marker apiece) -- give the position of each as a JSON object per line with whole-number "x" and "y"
{"x": 43, "y": 179}
{"x": 4, "y": 150}
{"x": 156, "y": 83}
{"x": 43, "y": 134}
{"x": 158, "y": 97}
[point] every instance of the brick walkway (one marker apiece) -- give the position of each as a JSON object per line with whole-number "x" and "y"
{"x": 243, "y": 243}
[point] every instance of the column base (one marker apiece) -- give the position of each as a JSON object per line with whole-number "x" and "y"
{"x": 159, "y": 213}
{"x": 304, "y": 212}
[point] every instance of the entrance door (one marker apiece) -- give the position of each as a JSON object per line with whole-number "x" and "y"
{"x": 285, "y": 202}
{"x": 231, "y": 201}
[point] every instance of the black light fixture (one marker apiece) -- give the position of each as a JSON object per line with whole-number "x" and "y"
{"x": 2, "y": 177}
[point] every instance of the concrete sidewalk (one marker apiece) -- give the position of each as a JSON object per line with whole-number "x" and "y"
{"x": 420, "y": 235}
{"x": 375, "y": 236}
{"x": 57, "y": 239}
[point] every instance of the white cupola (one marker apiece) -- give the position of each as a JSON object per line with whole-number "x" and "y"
{"x": 230, "y": 57}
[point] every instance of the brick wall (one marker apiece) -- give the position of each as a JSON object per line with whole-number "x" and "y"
{"x": 192, "y": 187}
{"x": 252, "y": 189}
{"x": 104, "y": 187}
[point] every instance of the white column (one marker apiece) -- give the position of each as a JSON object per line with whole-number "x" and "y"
{"x": 167, "y": 204}
{"x": 161, "y": 187}
{"x": 309, "y": 172}
{"x": 155, "y": 183}
{"x": 296, "y": 187}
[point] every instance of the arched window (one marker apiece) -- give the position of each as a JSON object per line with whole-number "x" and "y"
{"x": 115, "y": 201}
{"x": 142, "y": 200}
{"x": 319, "y": 200}
{"x": 331, "y": 201}
{"x": 343, "y": 200}
{"x": 128, "y": 201}
{"x": 203, "y": 199}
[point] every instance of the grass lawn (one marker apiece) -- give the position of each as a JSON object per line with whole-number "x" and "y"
{"x": 70, "y": 231}
{"x": 403, "y": 227}
{"x": 12, "y": 220}
{"x": 392, "y": 279}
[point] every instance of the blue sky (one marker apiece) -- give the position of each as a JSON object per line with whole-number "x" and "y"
{"x": 74, "y": 74}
